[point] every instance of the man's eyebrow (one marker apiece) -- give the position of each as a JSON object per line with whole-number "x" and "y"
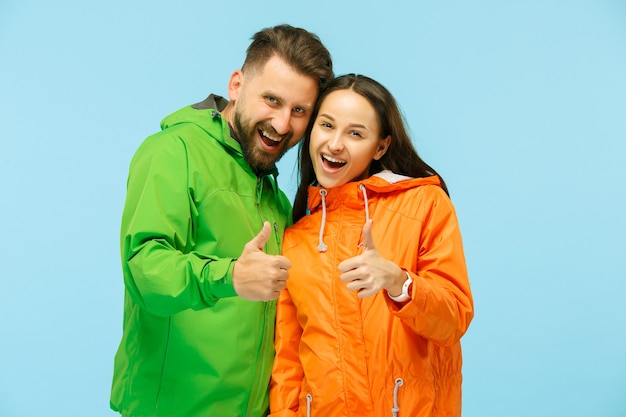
{"x": 307, "y": 106}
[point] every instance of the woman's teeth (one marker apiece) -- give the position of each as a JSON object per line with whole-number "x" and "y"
{"x": 335, "y": 163}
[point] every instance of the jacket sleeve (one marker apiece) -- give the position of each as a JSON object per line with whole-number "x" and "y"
{"x": 441, "y": 306}
{"x": 287, "y": 373}
{"x": 161, "y": 271}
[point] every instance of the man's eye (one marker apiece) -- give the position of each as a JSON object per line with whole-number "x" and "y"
{"x": 298, "y": 110}
{"x": 272, "y": 99}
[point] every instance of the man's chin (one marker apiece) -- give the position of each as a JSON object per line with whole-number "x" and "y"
{"x": 263, "y": 161}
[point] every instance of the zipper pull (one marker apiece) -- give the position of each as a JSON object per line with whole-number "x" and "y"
{"x": 277, "y": 237}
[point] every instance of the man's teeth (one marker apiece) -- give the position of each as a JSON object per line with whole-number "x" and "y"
{"x": 268, "y": 136}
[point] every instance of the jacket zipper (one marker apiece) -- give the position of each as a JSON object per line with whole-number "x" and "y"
{"x": 277, "y": 237}
{"x": 259, "y": 192}
{"x": 260, "y": 363}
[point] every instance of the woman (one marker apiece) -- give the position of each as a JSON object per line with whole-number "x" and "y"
{"x": 378, "y": 296}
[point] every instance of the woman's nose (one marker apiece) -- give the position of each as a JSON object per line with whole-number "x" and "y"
{"x": 335, "y": 144}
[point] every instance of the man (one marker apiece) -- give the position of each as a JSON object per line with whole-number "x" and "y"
{"x": 201, "y": 235}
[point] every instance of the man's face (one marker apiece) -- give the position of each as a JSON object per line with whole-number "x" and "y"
{"x": 272, "y": 107}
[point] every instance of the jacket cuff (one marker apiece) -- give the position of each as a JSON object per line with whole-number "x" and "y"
{"x": 220, "y": 278}
{"x": 414, "y": 304}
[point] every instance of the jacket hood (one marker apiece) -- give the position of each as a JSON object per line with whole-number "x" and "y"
{"x": 352, "y": 193}
{"x": 204, "y": 115}
{"x": 356, "y": 195}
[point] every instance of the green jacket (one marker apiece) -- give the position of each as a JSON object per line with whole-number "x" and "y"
{"x": 190, "y": 345}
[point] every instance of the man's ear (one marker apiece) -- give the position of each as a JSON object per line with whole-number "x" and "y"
{"x": 382, "y": 148}
{"x": 234, "y": 85}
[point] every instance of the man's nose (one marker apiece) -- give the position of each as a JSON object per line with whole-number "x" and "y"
{"x": 282, "y": 121}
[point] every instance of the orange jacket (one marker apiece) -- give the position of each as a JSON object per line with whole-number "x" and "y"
{"x": 338, "y": 355}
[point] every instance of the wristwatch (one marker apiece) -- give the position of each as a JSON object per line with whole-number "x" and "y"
{"x": 404, "y": 296}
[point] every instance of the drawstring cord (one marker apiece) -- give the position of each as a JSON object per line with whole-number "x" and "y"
{"x": 309, "y": 398}
{"x": 322, "y": 246}
{"x": 367, "y": 209}
{"x": 396, "y": 408}
{"x": 394, "y": 411}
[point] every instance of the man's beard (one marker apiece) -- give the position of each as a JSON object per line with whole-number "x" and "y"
{"x": 258, "y": 159}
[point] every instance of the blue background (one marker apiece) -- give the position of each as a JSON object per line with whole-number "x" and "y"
{"x": 520, "y": 105}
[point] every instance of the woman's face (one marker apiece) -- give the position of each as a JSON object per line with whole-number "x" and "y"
{"x": 345, "y": 138}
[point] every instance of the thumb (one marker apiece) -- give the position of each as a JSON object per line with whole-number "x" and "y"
{"x": 261, "y": 239}
{"x": 368, "y": 240}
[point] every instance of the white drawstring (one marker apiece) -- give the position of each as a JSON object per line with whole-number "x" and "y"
{"x": 309, "y": 399}
{"x": 367, "y": 209}
{"x": 396, "y": 408}
{"x": 322, "y": 246}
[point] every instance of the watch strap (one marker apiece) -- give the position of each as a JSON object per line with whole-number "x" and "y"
{"x": 404, "y": 296}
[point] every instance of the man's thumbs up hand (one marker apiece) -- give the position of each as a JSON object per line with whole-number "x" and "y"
{"x": 258, "y": 276}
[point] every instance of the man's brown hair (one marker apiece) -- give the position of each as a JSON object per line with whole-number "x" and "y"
{"x": 300, "y": 48}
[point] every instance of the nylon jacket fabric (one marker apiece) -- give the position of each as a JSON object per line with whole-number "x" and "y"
{"x": 338, "y": 355}
{"x": 190, "y": 346}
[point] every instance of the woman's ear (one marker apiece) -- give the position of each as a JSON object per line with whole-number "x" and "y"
{"x": 234, "y": 85}
{"x": 383, "y": 145}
